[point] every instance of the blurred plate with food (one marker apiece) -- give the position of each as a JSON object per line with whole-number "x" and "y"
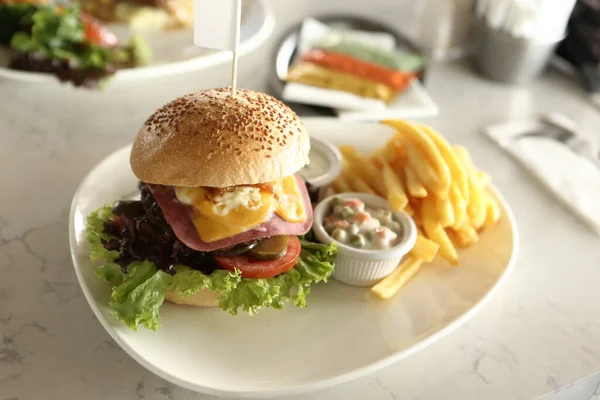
{"x": 96, "y": 40}
{"x": 360, "y": 69}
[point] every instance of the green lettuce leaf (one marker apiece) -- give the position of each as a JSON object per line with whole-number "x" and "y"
{"x": 138, "y": 295}
{"x": 137, "y": 300}
{"x": 187, "y": 281}
{"x": 95, "y": 233}
{"x": 109, "y": 271}
{"x": 15, "y": 18}
{"x": 314, "y": 265}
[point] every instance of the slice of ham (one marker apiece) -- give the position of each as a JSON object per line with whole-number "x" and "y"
{"x": 178, "y": 215}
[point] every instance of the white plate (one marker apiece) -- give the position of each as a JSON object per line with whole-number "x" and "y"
{"x": 340, "y": 336}
{"x": 174, "y": 52}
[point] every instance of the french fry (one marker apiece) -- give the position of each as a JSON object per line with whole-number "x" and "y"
{"x": 424, "y": 143}
{"x": 452, "y": 236}
{"x": 365, "y": 168}
{"x": 390, "y": 285}
{"x": 466, "y": 235}
{"x": 477, "y": 205}
{"x": 457, "y": 171}
{"x": 395, "y": 152}
{"x": 341, "y": 185}
{"x": 429, "y": 209}
{"x": 459, "y": 206}
{"x": 436, "y": 232}
{"x": 493, "y": 210}
{"x": 483, "y": 179}
{"x": 424, "y": 249}
{"x": 423, "y": 169}
{"x": 415, "y": 204}
{"x": 388, "y": 152}
{"x": 357, "y": 184}
{"x": 414, "y": 186}
{"x": 445, "y": 212}
{"x": 409, "y": 210}
{"x": 394, "y": 189}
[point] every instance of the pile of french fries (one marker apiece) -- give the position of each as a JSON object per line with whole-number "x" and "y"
{"x": 419, "y": 172}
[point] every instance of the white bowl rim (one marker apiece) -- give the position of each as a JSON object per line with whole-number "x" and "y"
{"x": 333, "y": 156}
{"x": 409, "y": 229}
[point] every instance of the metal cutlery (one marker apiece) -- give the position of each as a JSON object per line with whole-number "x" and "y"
{"x": 576, "y": 143}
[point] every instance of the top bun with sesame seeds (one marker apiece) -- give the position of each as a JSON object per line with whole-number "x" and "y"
{"x": 209, "y": 138}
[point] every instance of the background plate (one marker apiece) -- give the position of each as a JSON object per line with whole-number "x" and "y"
{"x": 414, "y": 102}
{"x": 340, "y": 335}
{"x": 174, "y": 52}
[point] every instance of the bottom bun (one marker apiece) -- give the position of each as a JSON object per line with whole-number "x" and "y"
{"x": 203, "y": 298}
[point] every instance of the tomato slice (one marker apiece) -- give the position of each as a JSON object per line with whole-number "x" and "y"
{"x": 252, "y": 268}
{"x": 96, "y": 33}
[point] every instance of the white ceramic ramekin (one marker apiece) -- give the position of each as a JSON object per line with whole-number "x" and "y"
{"x": 325, "y": 166}
{"x": 360, "y": 267}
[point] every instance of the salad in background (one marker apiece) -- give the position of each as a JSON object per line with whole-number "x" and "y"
{"x": 66, "y": 42}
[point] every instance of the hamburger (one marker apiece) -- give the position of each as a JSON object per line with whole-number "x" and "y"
{"x": 222, "y": 217}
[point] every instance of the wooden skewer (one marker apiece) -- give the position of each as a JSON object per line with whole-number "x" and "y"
{"x": 235, "y": 55}
{"x": 234, "y": 74}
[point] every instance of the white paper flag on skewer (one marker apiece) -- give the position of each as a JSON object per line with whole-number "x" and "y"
{"x": 217, "y": 24}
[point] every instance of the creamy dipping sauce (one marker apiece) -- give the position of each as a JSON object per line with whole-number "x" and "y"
{"x": 318, "y": 165}
{"x": 355, "y": 224}
{"x": 325, "y": 164}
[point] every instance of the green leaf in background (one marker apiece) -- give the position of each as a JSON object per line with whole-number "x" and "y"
{"x": 70, "y": 27}
{"x": 62, "y": 36}
{"x": 15, "y": 18}
{"x": 22, "y": 42}
{"x": 135, "y": 52}
{"x": 48, "y": 33}
{"x": 137, "y": 300}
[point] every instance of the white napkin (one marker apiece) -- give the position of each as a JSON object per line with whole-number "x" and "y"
{"x": 300, "y": 93}
{"x": 413, "y": 102}
{"x": 573, "y": 179}
{"x": 313, "y": 31}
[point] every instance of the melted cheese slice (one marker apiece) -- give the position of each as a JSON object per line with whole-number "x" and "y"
{"x": 244, "y": 208}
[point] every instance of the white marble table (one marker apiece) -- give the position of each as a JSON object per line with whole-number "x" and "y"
{"x": 540, "y": 333}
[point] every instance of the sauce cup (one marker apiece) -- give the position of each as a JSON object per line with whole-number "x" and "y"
{"x": 365, "y": 267}
{"x": 325, "y": 164}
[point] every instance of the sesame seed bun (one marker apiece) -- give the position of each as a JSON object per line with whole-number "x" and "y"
{"x": 209, "y": 138}
{"x": 202, "y": 298}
